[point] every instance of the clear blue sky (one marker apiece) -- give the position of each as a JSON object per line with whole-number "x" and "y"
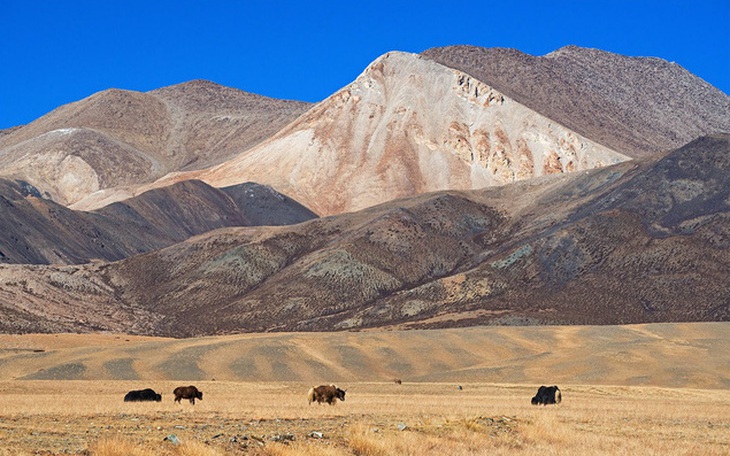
{"x": 56, "y": 52}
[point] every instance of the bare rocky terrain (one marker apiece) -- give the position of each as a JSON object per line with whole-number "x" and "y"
{"x": 450, "y": 199}
{"x": 634, "y": 243}
{"x": 522, "y": 209}
{"x": 636, "y": 105}
{"x": 407, "y": 126}
{"x": 119, "y": 138}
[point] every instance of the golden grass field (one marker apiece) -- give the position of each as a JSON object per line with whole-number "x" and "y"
{"x": 644, "y": 389}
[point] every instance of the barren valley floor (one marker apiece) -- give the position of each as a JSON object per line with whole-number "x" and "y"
{"x": 73, "y": 405}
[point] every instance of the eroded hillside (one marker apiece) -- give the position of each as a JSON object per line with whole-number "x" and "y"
{"x": 460, "y": 187}
{"x": 634, "y": 243}
{"x": 638, "y": 106}
{"x": 121, "y": 139}
{"x": 407, "y": 126}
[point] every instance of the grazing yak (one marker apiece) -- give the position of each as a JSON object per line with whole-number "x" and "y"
{"x": 325, "y": 393}
{"x": 547, "y": 395}
{"x": 143, "y": 396}
{"x": 187, "y": 392}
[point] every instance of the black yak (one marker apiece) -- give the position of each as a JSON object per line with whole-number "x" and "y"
{"x": 142, "y": 396}
{"x": 547, "y": 395}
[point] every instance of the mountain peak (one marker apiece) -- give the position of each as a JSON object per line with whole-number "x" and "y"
{"x": 194, "y": 83}
{"x": 195, "y": 86}
{"x": 475, "y": 169}
{"x": 409, "y": 125}
{"x": 635, "y": 105}
{"x": 204, "y": 93}
{"x": 572, "y": 49}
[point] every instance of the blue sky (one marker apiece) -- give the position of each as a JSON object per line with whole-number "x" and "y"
{"x": 56, "y": 52}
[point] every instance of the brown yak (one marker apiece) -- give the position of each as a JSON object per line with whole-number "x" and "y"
{"x": 187, "y": 392}
{"x": 325, "y": 393}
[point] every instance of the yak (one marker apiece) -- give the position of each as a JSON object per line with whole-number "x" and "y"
{"x": 547, "y": 395}
{"x": 146, "y": 394}
{"x": 325, "y": 393}
{"x": 187, "y": 392}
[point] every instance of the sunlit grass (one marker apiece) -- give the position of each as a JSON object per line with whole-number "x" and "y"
{"x": 377, "y": 418}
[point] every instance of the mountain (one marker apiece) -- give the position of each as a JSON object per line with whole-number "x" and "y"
{"x": 457, "y": 117}
{"x": 120, "y": 138}
{"x": 637, "y": 106}
{"x": 649, "y": 245}
{"x": 641, "y": 241}
{"x": 483, "y": 187}
{"x": 36, "y": 230}
{"x": 406, "y": 126}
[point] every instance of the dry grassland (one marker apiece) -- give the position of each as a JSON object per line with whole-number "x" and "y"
{"x": 646, "y": 389}
{"x": 89, "y": 417}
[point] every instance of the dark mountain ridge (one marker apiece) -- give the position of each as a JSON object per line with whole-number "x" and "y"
{"x": 39, "y": 231}
{"x": 633, "y": 243}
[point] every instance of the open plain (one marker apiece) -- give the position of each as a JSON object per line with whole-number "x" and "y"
{"x": 638, "y": 389}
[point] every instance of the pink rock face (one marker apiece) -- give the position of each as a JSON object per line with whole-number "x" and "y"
{"x": 407, "y": 126}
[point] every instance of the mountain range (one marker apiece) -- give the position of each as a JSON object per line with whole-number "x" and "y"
{"x": 119, "y": 138}
{"x": 462, "y": 186}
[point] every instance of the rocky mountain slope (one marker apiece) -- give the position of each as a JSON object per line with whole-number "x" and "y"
{"x": 636, "y": 242}
{"x": 118, "y": 138}
{"x": 520, "y": 202}
{"x": 407, "y": 126}
{"x": 635, "y": 105}
{"x": 36, "y": 230}
{"x": 453, "y": 118}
